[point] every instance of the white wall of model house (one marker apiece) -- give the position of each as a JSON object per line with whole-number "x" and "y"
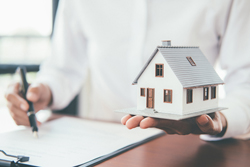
{"x": 179, "y": 94}
{"x": 198, "y": 103}
{"x": 169, "y": 81}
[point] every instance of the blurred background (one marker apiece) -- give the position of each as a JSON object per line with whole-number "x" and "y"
{"x": 26, "y": 28}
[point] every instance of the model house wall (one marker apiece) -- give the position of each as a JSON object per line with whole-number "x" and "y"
{"x": 198, "y": 102}
{"x": 168, "y": 81}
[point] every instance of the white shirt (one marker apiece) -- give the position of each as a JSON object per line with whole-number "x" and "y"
{"x": 105, "y": 43}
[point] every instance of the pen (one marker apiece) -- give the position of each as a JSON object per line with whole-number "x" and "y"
{"x": 31, "y": 111}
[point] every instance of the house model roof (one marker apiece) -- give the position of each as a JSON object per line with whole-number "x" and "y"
{"x": 198, "y": 75}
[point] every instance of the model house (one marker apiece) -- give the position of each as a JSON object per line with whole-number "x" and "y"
{"x": 177, "y": 80}
{"x": 176, "y": 83}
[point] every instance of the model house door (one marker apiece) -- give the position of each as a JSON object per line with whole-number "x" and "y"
{"x": 150, "y": 98}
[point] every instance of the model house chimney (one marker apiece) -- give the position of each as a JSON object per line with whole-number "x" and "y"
{"x": 166, "y": 42}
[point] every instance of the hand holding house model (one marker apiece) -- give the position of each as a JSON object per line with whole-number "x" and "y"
{"x": 176, "y": 83}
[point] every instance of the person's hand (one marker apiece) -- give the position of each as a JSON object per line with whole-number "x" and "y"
{"x": 213, "y": 124}
{"x": 39, "y": 94}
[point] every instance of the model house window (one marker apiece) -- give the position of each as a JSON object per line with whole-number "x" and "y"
{"x": 159, "y": 70}
{"x": 213, "y": 92}
{"x": 142, "y": 91}
{"x": 191, "y": 61}
{"x": 189, "y": 95}
{"x": 167, "y": 96}
{"x": 205, "y": 93}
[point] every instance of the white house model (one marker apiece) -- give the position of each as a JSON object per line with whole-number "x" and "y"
{"x": 176, "y": 83}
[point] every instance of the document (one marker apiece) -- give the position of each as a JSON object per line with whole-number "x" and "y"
{"x": 70, "y": 141}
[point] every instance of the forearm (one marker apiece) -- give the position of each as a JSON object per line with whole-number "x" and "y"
{"x": 64, "y": 72}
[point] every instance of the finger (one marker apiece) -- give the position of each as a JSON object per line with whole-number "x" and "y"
{"x": 125, "y": 118}
{"x": 19, "y": 116}
{"x": 33, "y": 93}
{"x": 209, "y": 125}
{"x": 148, "y": 122}
{"x": 14, "y": 87}
{"x": 159, "y": 123}
{"x": 134, "y": 121}
{"x": 17, "y": 101}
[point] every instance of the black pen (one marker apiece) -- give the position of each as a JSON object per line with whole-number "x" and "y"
{"x": 31, "y": 111}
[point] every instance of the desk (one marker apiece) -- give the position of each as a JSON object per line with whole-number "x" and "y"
{"x": 185, "y": 151}
{"x": 178, "y": 151}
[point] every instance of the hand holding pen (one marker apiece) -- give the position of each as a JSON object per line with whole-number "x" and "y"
{"x": 39, "y": 94}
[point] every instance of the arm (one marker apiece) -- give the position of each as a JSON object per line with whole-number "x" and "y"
{"x": 60, "y": 76}
{"x": 65, "y": 70}
{"x": 234, "y": 54}
{"x": 235, "y": 59}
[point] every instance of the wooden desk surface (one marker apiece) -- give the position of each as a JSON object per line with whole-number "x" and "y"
{"x": 185, "y": 151}
{"x": 182, "y": 151}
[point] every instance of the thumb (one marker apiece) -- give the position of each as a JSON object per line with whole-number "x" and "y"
{"x": 33, "y": 93}
{"x": 209, "y": 125}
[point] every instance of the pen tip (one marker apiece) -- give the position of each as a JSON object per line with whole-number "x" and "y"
{"x": 35, "y": 134}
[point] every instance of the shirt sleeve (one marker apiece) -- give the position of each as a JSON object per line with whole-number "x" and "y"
{"x": 235, "y": 59}
{"x": 64, "y": 72}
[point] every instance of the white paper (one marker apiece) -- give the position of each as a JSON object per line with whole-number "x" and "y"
{"x": 70, "y": 141}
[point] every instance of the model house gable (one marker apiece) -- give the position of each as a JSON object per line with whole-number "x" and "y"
{"x": 158, "y": 87}
{"x": 156, "y": 70}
